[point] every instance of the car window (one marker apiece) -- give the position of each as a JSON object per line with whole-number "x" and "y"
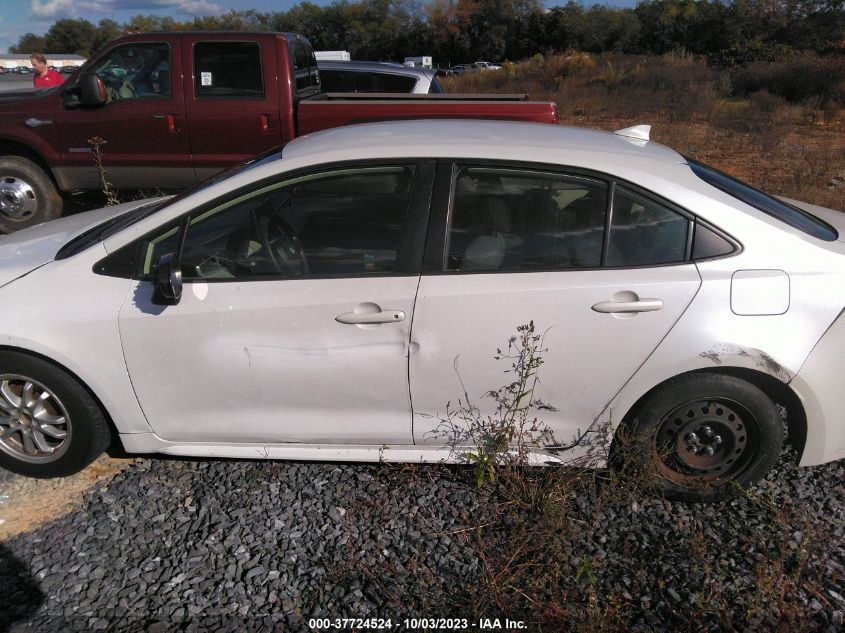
{"x": 343, "y": 222}
{"x": 504, "y": 219}
{"x": 228, "y": 70}
{"x": 305, "y": 70}
{"x": 358, "y": 81}
{"x": 136, "y": 71}
{"x": 644, "y": 232}
{"x": 793, "y": 216}
{"x": 435, "y": 87}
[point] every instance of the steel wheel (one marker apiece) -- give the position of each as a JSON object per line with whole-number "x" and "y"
{"x": 701, "y": 436}
{"x": 34, "y": 424}
{"x": 27, "y": 195}
{"x": 704, "y": 441}
{"x": 18, "y": 200}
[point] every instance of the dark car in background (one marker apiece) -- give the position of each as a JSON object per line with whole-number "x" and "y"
{"x": 337, "y": 76}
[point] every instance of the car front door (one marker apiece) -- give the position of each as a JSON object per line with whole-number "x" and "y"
{"x": 142, "y": 132}
{"x": 294, "y": 320}
{"x": 515, "y": 245}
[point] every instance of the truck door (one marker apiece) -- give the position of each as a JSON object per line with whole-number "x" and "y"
{"x": 142, "y": 124}
{"x": 231, "y": 99}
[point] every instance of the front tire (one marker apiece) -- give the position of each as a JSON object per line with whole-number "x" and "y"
{"x": 50, "y": 426}
{"x": 700, "y": 437}
{"x": 27, "y": 195}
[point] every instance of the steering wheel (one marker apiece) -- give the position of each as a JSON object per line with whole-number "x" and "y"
{"x": 282, "y": 246}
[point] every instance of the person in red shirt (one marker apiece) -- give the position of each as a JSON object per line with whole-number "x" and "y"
{"x": 44, "y": 77}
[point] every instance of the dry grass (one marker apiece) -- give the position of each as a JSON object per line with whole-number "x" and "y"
{"x": 792, "y": 149}
{"x": 28, "y": 503}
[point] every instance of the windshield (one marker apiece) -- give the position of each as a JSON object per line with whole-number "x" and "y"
{"x": 793, "y": 216}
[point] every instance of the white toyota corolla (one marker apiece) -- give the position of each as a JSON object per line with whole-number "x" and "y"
{"x": 315, "y": 303}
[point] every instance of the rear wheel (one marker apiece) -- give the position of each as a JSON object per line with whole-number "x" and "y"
{"x": 701, "y": 436}
{"x": 50, "y": 426}
{"x": 27, "y": 195}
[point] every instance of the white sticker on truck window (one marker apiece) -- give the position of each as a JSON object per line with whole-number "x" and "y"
{"x": 205, "y": 79}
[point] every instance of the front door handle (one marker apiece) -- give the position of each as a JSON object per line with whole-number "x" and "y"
{"x": 170, "y": 119}
{"x": 370, "y": 318}
{"x": 640, "y": 305}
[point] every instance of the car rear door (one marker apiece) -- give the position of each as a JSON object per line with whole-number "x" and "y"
{"x": 603, "y": 282}
{"x": 295, "y": 317}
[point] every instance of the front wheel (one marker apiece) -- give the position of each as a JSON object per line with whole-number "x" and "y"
{"x": 701, "y": 436}
{"x": 50, "y": 426}
{"x": 27, "y": 195}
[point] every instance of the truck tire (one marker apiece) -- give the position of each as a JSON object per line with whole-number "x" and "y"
{"x": 27, "y": 195}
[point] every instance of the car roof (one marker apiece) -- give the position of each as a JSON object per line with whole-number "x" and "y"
{"x": 503, "y": 140}
{"x": 384, "y": 67}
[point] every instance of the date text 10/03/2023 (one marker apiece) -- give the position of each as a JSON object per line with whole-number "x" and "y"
{"x": 465, "y": 625}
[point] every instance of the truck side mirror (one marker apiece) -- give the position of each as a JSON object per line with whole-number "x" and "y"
{"x": 167, "y": 280}
{"x": 92, "y": 90}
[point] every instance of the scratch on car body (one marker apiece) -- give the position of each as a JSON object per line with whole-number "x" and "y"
{"x": 761, "y": 360}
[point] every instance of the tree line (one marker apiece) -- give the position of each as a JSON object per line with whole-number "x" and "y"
{"x": 455, "y": 31}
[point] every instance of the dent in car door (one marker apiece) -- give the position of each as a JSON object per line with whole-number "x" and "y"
{"x": 528, "y": 246}
{"x": 273, "y": 347}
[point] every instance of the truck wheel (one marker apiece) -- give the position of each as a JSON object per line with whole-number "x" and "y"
{"x": 27, "y": 195}
{"x": 50, "y": 426}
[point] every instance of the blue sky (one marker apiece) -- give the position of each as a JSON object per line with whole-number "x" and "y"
{"x": 35, "y": 16}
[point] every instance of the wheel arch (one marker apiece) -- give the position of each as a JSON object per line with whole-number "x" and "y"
{"x": 9, "y": 148}
{"x": 115, "y": 435}
{"x": 777, "y": 391}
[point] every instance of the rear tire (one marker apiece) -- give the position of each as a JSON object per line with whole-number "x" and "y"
{"x": 701, "y": 437}
{"x": 50, "y": 426}
{"x": 27, "y": 195}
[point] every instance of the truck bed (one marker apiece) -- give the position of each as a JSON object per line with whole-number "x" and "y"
{"x": 336, "y": 109}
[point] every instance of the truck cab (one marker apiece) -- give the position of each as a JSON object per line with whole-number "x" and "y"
{"x": 162, "y": 111}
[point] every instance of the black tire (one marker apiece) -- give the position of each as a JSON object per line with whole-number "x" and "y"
{"x": 701, "y": 437}
{"x": 87, "y": 433}
{"x": 27, "y": 195}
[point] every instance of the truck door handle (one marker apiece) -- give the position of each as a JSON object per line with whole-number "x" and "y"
{"x": 370, "y": 318}
{"x": 171, "y": 122}
{"x": 265, "y": 123}
{"x": 640, "y": 305}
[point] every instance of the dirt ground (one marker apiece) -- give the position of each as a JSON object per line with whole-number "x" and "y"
{"x": 27, "y": 503}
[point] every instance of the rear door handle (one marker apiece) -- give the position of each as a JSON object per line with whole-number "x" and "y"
{"x": 370, "y": 318}
{"x": 641, "y": 305}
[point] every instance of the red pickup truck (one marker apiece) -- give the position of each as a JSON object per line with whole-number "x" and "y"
{"x": 175, "y": 108}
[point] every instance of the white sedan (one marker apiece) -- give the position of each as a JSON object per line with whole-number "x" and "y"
{"x": 327, "y": 301}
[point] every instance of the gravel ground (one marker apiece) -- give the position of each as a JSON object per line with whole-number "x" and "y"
{"x": 241, "y": 546}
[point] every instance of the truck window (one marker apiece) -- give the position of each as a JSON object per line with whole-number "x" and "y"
{"x": 136, "y": 71}
{"x": 304, "y": 67}
{"x": 228, "y": 70}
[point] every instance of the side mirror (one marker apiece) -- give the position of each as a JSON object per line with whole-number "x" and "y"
{"x": 92, "y": 90}
{"x": 167, "y": 280}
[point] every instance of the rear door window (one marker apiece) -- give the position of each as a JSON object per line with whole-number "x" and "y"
{"x": 512, "y": 220}
{"x": 228, "y": 70}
